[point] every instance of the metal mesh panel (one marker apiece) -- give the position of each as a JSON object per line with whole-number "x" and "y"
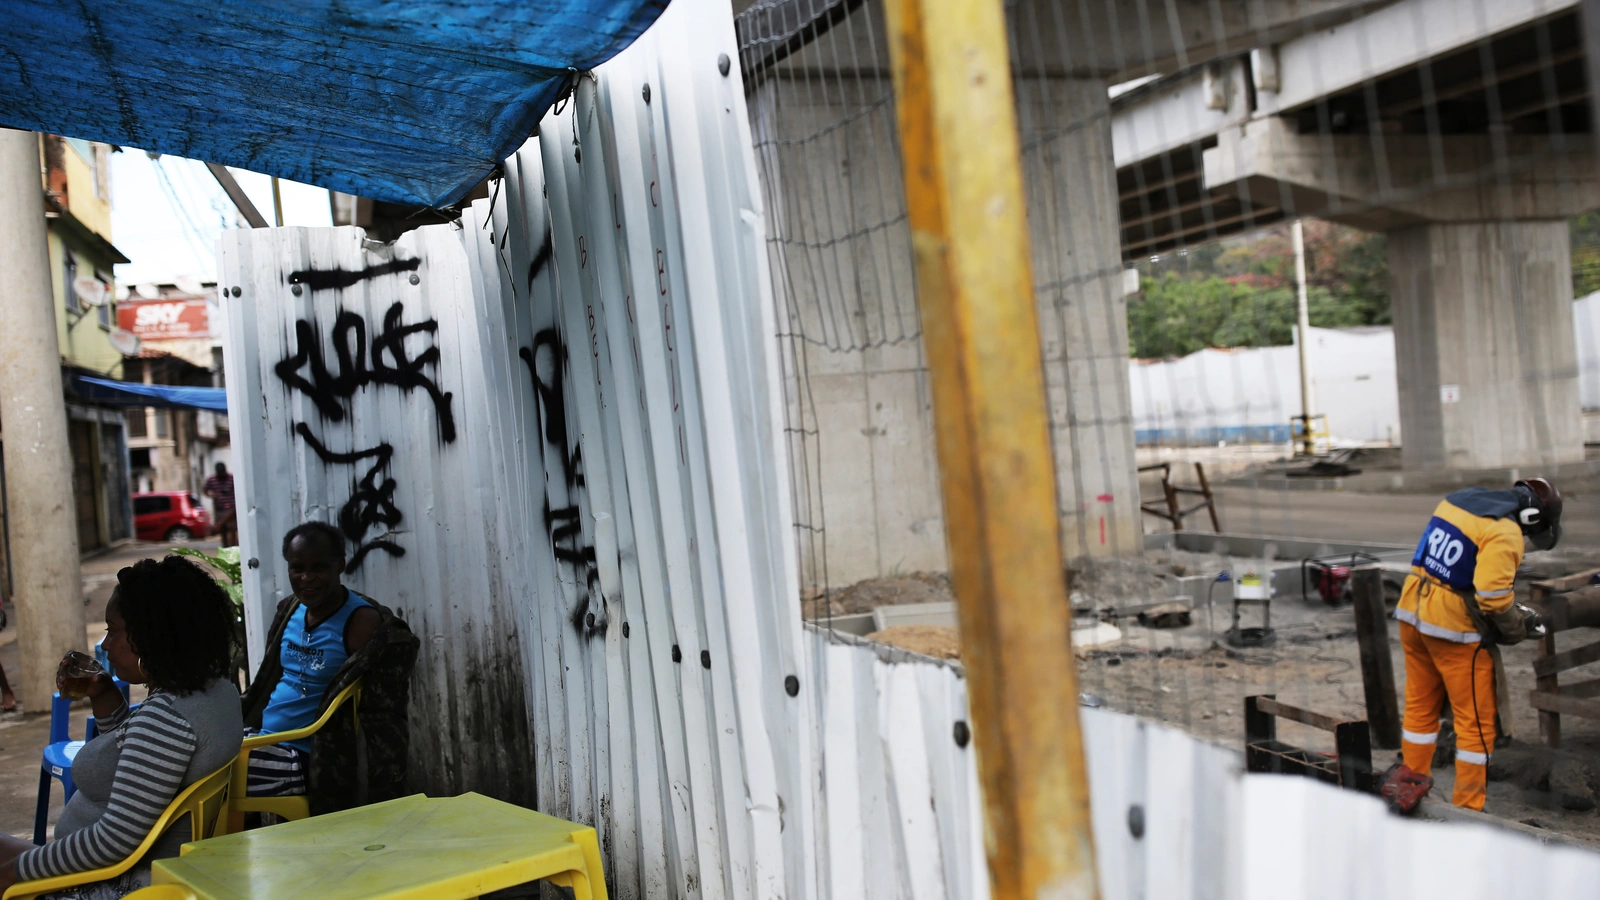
{"x": 1435, "y": 159}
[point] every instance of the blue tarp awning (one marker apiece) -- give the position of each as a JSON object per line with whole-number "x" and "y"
{"x": 407, "y": 101}
{"x": 134, "y": 394}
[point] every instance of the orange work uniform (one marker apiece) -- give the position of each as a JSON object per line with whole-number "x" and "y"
{"x": 1472, "y": 544}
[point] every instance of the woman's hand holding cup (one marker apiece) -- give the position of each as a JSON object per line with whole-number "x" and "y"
{"x": 80, "y": 675}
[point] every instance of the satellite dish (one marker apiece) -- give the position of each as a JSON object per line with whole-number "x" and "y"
{"x": 189, "y": 285}
{"x": 90, "y": 291}
{"x": 148, "y": 291}
{"x": 126, "y": 342}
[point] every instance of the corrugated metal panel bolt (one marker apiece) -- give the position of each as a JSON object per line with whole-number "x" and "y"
{"x": 963, "y": 734}
{"x": 294, "y": 289}
{"x": 705, "y": 659}
{"x": 236, "y": 291}
{"x": 724, "y": 64}
{"x": 415, "y": 279}
{"x": 1136, "y": 821}
{"x": 677, "y": 655}
{"x": 624, "y": 629}
{"x": 646, "y": 93}
{"x": 791, "y": 685}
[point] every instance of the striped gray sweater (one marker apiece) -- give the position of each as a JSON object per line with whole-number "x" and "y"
{"x": 157, "y": 752}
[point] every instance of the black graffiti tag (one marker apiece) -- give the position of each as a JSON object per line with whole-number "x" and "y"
{"x": 339, "y": 279}
{"x": 391, "y": 363}
{"x": 371, "y": 502}
{"x": 564, "y": 524}
{"x": 542, "y": 258}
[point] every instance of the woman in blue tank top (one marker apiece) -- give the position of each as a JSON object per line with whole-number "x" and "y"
{"x": 313, "y": 650}
{"x": 330, "y": 623}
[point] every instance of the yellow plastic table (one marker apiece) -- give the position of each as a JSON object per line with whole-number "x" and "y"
{"x": 414, "y": 847}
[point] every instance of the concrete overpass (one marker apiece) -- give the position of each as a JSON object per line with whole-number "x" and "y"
{"x": 1191, "y": 156}
{"x": 1462, "y": 131}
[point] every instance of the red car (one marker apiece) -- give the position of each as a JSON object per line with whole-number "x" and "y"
{"x": 170, "y": 516}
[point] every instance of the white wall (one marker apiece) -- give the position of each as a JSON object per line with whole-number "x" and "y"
{"x": 1586, "y": 331}
{"x": 1249, "y": 395}
{"x": 1232, "y": 394}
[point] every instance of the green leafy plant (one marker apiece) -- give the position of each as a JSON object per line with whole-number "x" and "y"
{"x": 1240, "y": 292}
{"x": 225, "y": 568}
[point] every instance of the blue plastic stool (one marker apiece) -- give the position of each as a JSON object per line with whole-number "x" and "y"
{"x": 58, "y": 757}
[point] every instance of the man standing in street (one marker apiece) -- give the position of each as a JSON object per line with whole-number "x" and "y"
{"x": 219, "y": 488}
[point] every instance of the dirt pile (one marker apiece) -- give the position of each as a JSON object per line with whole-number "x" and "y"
{"x": 1098, "y": 582}
{"x": 938, "y": 641}
{"x": 866, "y": 596}
{"x": 1568, "y": 778}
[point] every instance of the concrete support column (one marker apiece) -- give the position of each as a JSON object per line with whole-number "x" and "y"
{"x": 1483, "y": 333}
{"x": 1070, "y": 179}
{"x": 860, "y": 412}
{"x": 861, "y": 425}
{"x": 38, "y": 461}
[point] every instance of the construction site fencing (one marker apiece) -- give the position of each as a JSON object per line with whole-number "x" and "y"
{"x": 1440, "y": 156}
{"x": 1434, "y": 159}
{"x": 609, "y": 442}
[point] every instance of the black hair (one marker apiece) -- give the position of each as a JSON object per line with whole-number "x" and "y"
{"x": 332, "y": 538}
{"x": 179, "y": 621}
{"x": 221, "y": 468}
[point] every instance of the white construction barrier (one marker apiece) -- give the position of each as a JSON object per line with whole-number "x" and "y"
{"x": 1248, "y": 395}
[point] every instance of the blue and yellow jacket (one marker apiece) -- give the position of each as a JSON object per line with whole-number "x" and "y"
{"x": 1472, "y": 543}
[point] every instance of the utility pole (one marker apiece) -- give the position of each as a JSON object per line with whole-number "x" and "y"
{"x": 38, "y": 461}
{"x": 1308, "y": 444}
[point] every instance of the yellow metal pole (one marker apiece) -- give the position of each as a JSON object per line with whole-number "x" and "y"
{"x": 969, "y": 229}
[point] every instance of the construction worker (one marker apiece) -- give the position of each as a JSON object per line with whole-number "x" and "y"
{"x": 1456, "y": 607}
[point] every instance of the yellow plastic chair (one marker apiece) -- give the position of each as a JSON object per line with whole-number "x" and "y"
{"x": 206, "y": 804}
{"x": 292, "y": 807}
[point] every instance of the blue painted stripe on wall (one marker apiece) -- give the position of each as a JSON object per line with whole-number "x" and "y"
{"x": 1196, "y": 437}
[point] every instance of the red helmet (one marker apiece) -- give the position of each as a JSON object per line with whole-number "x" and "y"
{"x": 1540, "y": 514}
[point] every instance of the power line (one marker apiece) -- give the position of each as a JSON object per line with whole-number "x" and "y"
{"x": 191, "y": 232}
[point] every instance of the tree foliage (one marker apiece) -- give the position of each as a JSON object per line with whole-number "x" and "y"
{"x": 1240, "y": 293}
{"x": 1585, "y": 254}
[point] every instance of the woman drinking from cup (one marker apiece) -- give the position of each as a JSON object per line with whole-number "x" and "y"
{"x": 169, "y": 626}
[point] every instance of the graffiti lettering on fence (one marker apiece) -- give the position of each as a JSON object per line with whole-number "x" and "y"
{"x": 542, "y": 258}
{"x": 371, "y": 504}
{"x": 546, "y": 361}
{"x": 391, "y": 363}
{"x": 385, "y": 360}
{"x": 338, "y": 279}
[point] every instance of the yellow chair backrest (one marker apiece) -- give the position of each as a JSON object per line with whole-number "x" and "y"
{"x": 205, "y": 803}
{"x": 286, "y": 807}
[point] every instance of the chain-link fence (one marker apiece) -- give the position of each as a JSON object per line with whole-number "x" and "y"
{"x": 1220, "y": 471}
